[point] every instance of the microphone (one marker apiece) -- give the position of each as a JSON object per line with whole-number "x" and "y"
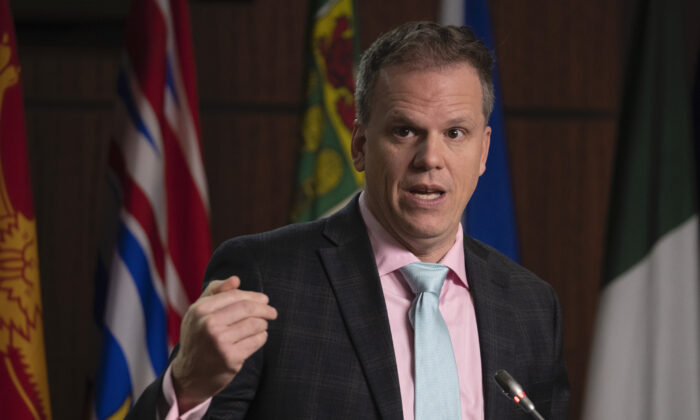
{"x": 512, "y": 390}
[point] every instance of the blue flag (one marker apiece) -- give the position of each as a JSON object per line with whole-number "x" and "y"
{"x": 489, "y": 216}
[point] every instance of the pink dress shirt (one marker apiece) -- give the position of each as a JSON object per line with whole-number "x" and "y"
{"x": 456, "y": 306}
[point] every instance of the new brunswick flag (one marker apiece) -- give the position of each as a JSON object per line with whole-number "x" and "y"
{"x": 24, "y": 390}
{"x": 326, "y": 178}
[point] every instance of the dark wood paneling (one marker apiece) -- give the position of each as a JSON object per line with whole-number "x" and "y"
{"x": 376, "y": 17}
{"x": 67, "y": 152}
{"x": 251, "y": 162}
{"x": 69, "y": 77}
{"x": 249, "y": 52}
{"x": 561, "y": 172}
{"x": 559, "y": 53}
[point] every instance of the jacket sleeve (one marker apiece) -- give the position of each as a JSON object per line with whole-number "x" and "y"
{"x": 560, "y": 390}
{"x": 231, "y": 258}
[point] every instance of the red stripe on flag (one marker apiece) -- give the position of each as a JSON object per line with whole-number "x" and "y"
{"x": 136, "y": 202}
{"x": 146, "y": 48}
{"x": 187, "y": 218}
{"x": 183, "y": 40}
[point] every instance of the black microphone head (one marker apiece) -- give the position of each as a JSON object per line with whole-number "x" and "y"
{"x": 508, "y": 385}
{"x": 512, "y": 389}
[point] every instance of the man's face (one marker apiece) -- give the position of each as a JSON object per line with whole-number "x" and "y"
{"x": 423, "y": 150}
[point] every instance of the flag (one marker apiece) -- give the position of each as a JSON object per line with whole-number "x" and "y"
{"x": 696, "y": 124}
{"x": 24, "y": 387}
{"x": 326, "y": 178}
{"x": 645, "y": 356}
{"x": 156, "y": 241}
{"x": 489, "y": 216}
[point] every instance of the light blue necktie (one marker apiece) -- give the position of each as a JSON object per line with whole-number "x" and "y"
{"x": 437, "y": 385}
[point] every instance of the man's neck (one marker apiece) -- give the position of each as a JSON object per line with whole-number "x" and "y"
{"x": 430, "y": 250}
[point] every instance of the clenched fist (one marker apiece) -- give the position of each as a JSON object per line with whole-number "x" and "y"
{"x": 219, "y": 332}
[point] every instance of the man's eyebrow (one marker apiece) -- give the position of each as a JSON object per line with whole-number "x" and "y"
{"x": 464, "y": 120}
{"x": 398, "y": 117}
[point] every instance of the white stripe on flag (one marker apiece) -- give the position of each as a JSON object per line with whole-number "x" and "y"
{"x": 452, "y": 12}
{"x": 647, "y": 336}
{"x": 126, "y": 321}
{"x": 180, "y": 120}
{"x": 137, "y": 231}
{"x": 182, "y": 125}
{"x": 145, "y": 110}
{"x": 146, "y": 169}
{"x": 177, "y": 297}
{"x": 164, "y": 6}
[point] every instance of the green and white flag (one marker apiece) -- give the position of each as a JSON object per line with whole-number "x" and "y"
{"x": 326, "y": 178}
{"x": 645, "y": 359}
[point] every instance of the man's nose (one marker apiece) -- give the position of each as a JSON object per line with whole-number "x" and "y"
{"x": 429, "y": 152}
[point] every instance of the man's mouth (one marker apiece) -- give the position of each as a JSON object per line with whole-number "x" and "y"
{"x": 427, "y": 196}
{"x": 426, "y": 193}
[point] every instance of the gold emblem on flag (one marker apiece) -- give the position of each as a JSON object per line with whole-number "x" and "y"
{"x": 333, "y": 53}
{"x": 21, "y": 326}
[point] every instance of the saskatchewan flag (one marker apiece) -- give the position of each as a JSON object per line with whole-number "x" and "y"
{"x": 645, "y": 358}
{"x": 326, "y": 179}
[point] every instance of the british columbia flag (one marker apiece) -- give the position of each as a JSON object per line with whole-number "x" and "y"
{"x": 156, "y": 246}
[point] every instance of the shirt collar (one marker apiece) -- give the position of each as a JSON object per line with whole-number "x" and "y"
{"x": 390, "y": 255}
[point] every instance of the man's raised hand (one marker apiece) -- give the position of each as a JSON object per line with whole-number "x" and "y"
{"x": 219, "y": 332}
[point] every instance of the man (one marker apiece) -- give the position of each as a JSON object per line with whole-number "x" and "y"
{"x": 312, "y": 320}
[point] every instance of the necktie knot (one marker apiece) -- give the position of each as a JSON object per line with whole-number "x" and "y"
{"x": 425, "y": 277}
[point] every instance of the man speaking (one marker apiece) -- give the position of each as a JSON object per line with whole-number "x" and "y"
{"x": 384, "y": 309}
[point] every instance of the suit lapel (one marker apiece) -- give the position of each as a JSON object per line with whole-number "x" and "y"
{"x": 353, "y": 276}
{"x": 494, "y": 317}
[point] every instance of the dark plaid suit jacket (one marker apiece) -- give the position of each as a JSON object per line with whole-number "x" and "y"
{"x": 330, "y": 354}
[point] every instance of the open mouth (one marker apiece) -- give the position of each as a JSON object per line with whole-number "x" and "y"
{"x": 426, "y": 193}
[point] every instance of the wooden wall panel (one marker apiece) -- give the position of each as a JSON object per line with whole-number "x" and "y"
{"x": 249, "y": 52}
{"x": 53, "y": 77}
{"x": 563, "y": 54}
{"x": 251, "y": 163}
{"x": 67, "y": 152}
{"x": 376, "y": 17}
{"x": 561, "y": 172}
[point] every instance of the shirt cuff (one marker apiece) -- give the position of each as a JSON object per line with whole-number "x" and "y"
{"x": 171, "y": 410}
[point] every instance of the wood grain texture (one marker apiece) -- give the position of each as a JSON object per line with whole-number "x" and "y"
{"x": 251, "y": 163}
{"x": 561, "y": 172}
{"x": 67, "y": 152}
{"x": 559, "y": 54}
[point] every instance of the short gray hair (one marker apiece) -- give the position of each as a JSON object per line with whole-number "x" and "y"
{"x": 423, "y": 45}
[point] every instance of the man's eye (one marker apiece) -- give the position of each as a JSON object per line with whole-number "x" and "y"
{"x": 455, "y": 133}
{"x": 403, "y": 132}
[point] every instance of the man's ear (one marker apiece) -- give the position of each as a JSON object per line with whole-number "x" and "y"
{"x": 486, "y": 143}
{"x": 358, "y": 146}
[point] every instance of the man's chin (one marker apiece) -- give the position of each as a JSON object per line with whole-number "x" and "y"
{"x": 427, "y": 232}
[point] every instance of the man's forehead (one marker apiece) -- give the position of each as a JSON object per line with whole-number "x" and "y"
{"x": 404, "y": 94}
{"x": 398, "y": 79}
{"x": 420, "y": 67}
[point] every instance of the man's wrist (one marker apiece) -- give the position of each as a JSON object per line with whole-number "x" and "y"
{"x": 176, "y": 407}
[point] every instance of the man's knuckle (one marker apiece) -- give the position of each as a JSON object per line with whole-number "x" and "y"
{"x": 199, "y": 309}
{"x": 247, "y": 307}
{"x": 261, "y": 338}
{"x": 210, "y": 325}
